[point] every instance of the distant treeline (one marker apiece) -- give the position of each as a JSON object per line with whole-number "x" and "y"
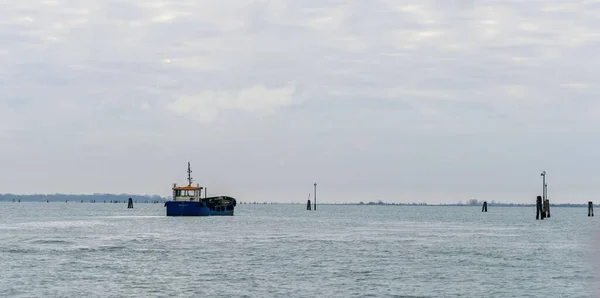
{"x": 74, "y": 197}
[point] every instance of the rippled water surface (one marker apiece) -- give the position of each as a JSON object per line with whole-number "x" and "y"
{"x": 107, "y": 250}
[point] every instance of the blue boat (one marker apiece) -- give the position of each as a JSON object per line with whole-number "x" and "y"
{"x": 187, "y": 201}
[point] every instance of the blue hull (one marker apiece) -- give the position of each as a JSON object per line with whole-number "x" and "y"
{"x": 196, "y": 209}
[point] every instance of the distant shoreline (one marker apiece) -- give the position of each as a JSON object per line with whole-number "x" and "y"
{"x": 99, "y": 198}
{"x": 423, "y": 205}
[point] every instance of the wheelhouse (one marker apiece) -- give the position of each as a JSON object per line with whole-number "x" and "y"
{"x": 187, "y": 193}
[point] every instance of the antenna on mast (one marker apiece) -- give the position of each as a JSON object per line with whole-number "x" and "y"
{"x": 189, "y": 171}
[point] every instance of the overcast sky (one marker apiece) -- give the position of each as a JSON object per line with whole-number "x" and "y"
{"x": 425, "y": 101}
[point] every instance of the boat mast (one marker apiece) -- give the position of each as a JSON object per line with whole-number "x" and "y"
{"x": 189, "y": 171}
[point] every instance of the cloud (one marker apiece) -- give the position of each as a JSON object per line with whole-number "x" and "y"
{"x": 205, "y": 106}
{"x": 104, "y": 80}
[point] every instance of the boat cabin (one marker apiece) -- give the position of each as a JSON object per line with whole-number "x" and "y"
{"x": 187, "y": 193}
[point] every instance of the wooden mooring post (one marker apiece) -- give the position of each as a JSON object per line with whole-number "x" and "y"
{"x": 547, "y": 203}
{"x": 545, "y": 209}
{"x": 130, "y": 203}
{"x": 308, "y": 207}
{"x": 484, "y": 207}
{"x": 590, "y": 208}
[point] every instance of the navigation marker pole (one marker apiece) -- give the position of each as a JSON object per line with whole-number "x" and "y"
{"x": 543, "y": 174}
{"x": 547, "y": 202}
{"x": 542, "y": 204}
{"x": 315, "y": 197}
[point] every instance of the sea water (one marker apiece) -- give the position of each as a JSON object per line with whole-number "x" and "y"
{"x": 60, "y": 249}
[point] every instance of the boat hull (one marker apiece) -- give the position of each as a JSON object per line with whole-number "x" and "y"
{"x": 182, "y": 208}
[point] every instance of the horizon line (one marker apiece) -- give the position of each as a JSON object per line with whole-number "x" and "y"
{"x": 472, "y": 202}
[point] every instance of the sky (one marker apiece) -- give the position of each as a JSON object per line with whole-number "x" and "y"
{"x": 401, "y": 101}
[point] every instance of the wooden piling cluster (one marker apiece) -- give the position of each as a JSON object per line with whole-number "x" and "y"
{"x": 130, "y": 203}
{"x": 542, "y": 202}
{"x": 484, "y": 207}
{"x": 542, "y": 208}
{"x": 539, "y": 208}
{"x": 590, "y": 208}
